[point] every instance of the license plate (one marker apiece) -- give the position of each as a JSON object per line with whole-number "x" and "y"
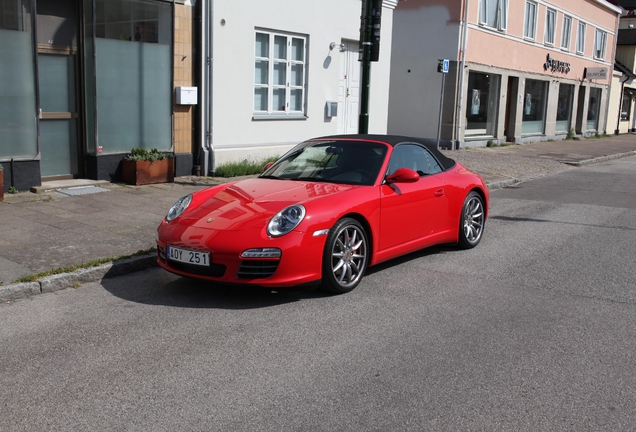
{"x": 188, "y": 256}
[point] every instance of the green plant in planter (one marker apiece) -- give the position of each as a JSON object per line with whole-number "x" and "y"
{"x": 141, "y": 154}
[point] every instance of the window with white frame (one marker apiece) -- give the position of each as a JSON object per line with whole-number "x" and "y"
{"x": 494, "y": 13}
{"x": 600, "y": 40}
{"x": 566, "y": 32}
{"x": 530, "y": 24}
{"x": 580, "y": 38}
{"x": 550, "y": 27}
{"x": 279, "y": 73}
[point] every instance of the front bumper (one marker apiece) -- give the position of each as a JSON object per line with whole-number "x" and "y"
{"x": 300, "y": 262}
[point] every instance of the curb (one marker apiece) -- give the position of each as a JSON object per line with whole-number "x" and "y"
{"x": 73, "y": 279}
{"x": 601, "y": 159}
{"x": 502, "y": 183}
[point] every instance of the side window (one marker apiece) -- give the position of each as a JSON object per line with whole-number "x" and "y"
{"x": 414, "y": 157}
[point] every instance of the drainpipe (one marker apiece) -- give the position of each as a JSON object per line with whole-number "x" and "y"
{"x": 460, "y": 99}
{"x": 206, "y": 153}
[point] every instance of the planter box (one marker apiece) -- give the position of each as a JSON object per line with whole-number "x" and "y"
{"x": 1, "y": 185}
{"x": 144, "y": 172}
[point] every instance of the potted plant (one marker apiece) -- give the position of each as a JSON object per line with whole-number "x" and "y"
{"x": 144, "y": 166}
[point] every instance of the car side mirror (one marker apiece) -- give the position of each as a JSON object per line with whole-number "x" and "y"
{"x": 403, "y": 175}
{"x": 268, "y": 166}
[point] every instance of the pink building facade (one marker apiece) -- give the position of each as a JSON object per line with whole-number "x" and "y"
{"x": 520, "y": 70}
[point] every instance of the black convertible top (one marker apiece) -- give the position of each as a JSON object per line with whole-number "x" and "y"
{"x": 394, "y": 140}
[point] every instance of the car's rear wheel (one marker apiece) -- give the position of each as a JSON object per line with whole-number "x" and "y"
{"x": 471, "y": 224}
{"x": 345, "y": 257}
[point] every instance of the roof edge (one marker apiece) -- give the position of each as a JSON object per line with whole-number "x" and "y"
{"x": 615, "y": 8}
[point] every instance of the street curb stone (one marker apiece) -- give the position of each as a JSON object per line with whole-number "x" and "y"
{"x": 81, "y": 276}
{"x": 502, "y": 183}
{"x": 18, "y": 291}
{"x": 601, "y": 159}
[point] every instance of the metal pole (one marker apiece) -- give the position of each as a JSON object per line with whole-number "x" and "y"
{"x": 367, "y": 25}
{"x": 441, "y": 107}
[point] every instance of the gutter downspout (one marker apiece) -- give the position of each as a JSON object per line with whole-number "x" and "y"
{"x": 460, "y": 98}
{"x": 206, "y": 155}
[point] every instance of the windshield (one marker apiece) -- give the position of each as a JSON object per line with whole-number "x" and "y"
{"x": 348, "y": 162}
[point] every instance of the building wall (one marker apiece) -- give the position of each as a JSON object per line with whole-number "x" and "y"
{"x": 423, "y": 32}
{"x": 184, "y": 64}
{"x": 490, "y": 52}
{"x": 236, "y": 135}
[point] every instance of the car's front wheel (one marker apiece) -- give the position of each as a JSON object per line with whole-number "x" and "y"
{"x": 346, "y": 255}
{"x": 471, "y": 224}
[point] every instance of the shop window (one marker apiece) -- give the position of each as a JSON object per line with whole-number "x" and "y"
{"x": 566, "y": 32}
{"x": 593, "y": 108}
{"x": 530, "y": 24}
{"x": 18, "y": 133}
{"x": 600, "y": 39}
{"x": 534, "y": 101}
{"x": 483, "y": 98}
{"x": 626, "y": 106}
{"x": 279, "y": 74}
{"x": 133, "y": 75}
{"x": 494, "y": 13}
{"x": 564, "y": 108}
{"x": 550, "y": 27}
{"x": 580, "y": 38}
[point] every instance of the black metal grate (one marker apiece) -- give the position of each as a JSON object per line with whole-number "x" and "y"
{"x": 256, "y": 269}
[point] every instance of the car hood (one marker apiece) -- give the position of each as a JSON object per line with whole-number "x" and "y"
{"x": 252, "y": 202}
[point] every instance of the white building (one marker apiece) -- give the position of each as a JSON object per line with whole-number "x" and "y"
{"x": 274, "y": 68}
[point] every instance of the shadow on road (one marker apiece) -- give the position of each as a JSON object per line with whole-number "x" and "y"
{"x": 159, "y": 287}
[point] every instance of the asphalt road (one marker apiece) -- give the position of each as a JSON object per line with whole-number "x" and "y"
{"x": 534, "y": 329}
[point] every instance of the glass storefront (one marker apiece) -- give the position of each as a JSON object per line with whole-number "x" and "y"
{"x": 534, "y": 101}
{"x": 483, "y": 99}
{"x": 626, "y": 106}
{"x": 132, "y": 75}
{"x": 564, "y": 108}
{"x": 18, "y": 127}
{"x": 593, "y": 105}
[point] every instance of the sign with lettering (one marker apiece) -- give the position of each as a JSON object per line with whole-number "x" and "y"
{"x": 556, "y": 65}
{"x": 596, "y": 73}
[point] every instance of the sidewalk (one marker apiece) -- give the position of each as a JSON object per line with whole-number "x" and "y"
{"x": 50, "y": 229}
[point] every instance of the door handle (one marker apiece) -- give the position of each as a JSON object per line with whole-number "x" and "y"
{"x": 439, "y": 192}
{"x": 347, "y": 93}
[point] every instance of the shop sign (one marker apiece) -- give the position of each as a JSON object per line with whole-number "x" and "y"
{"x": 556, "y": 65}
{"x": 596, "y": 73}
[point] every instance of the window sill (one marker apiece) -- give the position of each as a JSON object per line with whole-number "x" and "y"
{"x": 261, "y": 117}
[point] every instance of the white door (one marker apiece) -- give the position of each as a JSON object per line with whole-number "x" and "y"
{"x": 349, "y": 89}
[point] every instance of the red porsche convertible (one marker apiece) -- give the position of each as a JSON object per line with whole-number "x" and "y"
{"x": 323, "y": 213}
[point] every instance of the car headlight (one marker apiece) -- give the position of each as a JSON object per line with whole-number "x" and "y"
{"x": 178, "y": 208}
{"x": 286, "y": 220}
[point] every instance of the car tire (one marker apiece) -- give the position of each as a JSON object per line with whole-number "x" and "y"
{"x": 345, "y": 257}
{"x": 471, "y": 222}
